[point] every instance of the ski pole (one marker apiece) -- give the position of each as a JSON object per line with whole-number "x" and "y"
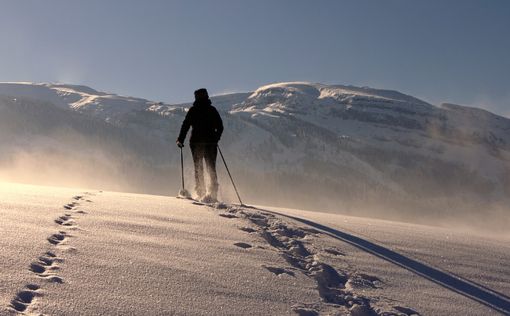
{"x": 228, "y": 171}
{"x": 182, "y": 170}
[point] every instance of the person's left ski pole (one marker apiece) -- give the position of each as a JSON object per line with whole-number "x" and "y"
{"x": 230, "y": 176}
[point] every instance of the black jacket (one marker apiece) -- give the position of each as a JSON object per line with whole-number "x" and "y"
{"x": 205, "y": 121}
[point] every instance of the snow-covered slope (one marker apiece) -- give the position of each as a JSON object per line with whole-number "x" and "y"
{"x": 80, "y": 98}
{"x": 290, "y": 144}
{"x": 87, "y": 252}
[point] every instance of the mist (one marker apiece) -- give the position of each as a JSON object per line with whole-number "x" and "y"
{"x": 81, "y": 164}
{"x": 43, "y": 144}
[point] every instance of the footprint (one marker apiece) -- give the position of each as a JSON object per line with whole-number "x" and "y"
{"x": 33, "y": 287}
{"x": 328, "y": 277}
{"x": 333, "y": 251}
{"x": 259, "y": 220}
{"x": 221, "y": 206}
{"x": 301, "y": 311}
{"x": 361, "y": 280}
{"x": 44, "y": 264}
{"x": 55, "y": 279}
{"x": 46, "y": 261}
{"x": 289, "y": 232}
{"x": 298, "y": 249}
{"x": 247, "y": 229}
{"x": 406, "y": 310}
{"x": 56, "y": 239}
{"x": 69, "y": 206}
{"x": 81, "y": 212}
{"x": 279, "y": 271}
{"x": 37, "y": 267}
{"x": 310, "y": 230}
{"x": 24, "y": 298}
{"x": 272, "y": 240}
{"x": 361, "y": 310}
{"x": 78, "y": 197}
{"x": 243, "y": 245}
{"x": 72, "y": 250}
{"x": 65, "y": 220}
{"x": 45, "y": 268}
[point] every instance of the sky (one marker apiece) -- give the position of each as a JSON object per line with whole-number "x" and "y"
{"x": 439, "y": 51}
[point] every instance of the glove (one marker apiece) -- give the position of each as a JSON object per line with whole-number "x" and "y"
{"x": 179, "y": 144}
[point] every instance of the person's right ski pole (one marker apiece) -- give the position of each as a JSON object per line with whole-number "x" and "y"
{"x": 183, "y": 193}
{"x": 228, "y": 171}
{"x": 182, "y": 170}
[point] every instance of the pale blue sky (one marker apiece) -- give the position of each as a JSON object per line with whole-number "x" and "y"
{"x": 455, "y": 51}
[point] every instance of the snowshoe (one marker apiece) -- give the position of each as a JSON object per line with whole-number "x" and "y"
{"x": 184, "y": 194}
{"x": 208, "y": 199}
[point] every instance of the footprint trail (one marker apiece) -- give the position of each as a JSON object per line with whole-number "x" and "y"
{"x": 341, "y": 292}
{"x": 46, "y": 266}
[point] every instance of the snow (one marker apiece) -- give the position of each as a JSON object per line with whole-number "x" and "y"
{"x": 305, "y": 95}
{"x": 357, "y": 145}
{"x": 79, "y": 98}
{"x": 134, "y": 255}
{"x": 88, "y": 252}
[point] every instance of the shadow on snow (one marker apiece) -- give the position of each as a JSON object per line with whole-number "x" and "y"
{"x": 470, "y": 289}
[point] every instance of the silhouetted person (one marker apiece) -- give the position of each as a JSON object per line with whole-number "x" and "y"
{"x": 207, "y": 128}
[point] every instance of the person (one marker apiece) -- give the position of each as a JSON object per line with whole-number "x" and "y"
{"x": 207, "y": 128}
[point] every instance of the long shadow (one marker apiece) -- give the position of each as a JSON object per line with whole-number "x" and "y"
{"x": 479, "y": 293}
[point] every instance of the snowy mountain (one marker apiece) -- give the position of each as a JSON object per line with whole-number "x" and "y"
{"x": 334, "y": 147}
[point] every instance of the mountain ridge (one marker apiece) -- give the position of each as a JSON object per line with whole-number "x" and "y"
{"x": 293, "y": 144}
{"x": 15, "y": 88}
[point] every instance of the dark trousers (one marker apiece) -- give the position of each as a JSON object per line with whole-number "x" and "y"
{"x": 205, "y": 152}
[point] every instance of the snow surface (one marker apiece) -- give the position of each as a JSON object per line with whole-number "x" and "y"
{"x": 84, "y": 252}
